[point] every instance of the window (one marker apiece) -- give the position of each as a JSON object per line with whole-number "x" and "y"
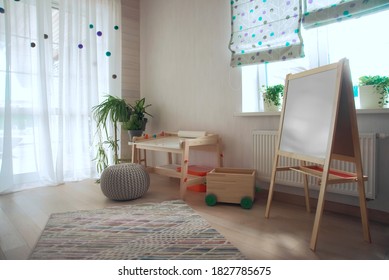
{"x": 23, "y": 78}
{"x": 362, "y": 41}
{"x": 57, "y": 60}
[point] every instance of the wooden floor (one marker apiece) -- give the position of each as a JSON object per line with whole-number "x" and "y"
{"x": 285, "y": 235}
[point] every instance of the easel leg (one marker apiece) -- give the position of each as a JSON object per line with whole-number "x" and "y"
{"x": 306, "y": 191}
{"x": 318, "y": 215}
{"x": 363, "y": 208}
{"x": 271, "y": 188}
{"x": 269, "y": 199}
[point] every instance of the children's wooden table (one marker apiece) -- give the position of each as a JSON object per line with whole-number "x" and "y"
{"x": 180, "y": 143}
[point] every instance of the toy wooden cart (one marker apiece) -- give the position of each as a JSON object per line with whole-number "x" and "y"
{"x": 177, "y": 143}
{"x": 231, "y": 185}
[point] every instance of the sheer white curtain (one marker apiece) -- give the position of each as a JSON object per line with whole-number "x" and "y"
{"x": 57, "y": 60}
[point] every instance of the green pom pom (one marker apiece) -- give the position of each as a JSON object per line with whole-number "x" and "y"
{"x": 210, "y": 199}
{"x": 246, "y": 202}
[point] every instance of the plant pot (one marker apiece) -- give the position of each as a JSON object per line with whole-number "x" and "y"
{"x": 144, "y": 122}
{"x": 133, "y": 133}
{"x": 369, "y": 98}
{"x": 270, "y": 107}
{"x": 272, "y": 98}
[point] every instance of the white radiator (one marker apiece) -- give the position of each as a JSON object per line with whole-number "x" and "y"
{"x": 264, "y": 146}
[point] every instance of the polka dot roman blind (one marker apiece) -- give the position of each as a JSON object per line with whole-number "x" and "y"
{"x": 265, "y": 31}
{"x": 322, "y": 12}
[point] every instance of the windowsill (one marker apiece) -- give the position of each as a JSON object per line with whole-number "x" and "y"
{"x": 266, "y": 114}
{"x": 256, "y": 114}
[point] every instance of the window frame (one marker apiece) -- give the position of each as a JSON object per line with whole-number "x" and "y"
{"x": 320, "y": 57}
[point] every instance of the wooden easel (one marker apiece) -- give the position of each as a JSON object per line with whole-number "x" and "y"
{"x": 318, "y": 124}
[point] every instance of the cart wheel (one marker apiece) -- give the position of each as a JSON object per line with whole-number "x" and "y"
{"x": 246, "y": 202}
{"x": 210, "y": 199}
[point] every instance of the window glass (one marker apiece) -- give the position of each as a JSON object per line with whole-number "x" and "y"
{"x": 22, "y": 82}
{"x": 363, "y": 41}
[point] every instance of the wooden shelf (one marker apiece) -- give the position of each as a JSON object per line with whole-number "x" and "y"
{"x": 170, "y": 170}
{"x": 335, "y": 176}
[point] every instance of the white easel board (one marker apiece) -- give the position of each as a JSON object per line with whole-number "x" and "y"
{"x": 318, "y": 123}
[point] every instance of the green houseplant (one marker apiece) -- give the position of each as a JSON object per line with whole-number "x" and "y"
{"x": 373, "y": 91}
{"x": 112, "y": 111}
{"x": 136, "y": 124}
{"x": 272, "y": 96}
{"x": 109, "y": 112}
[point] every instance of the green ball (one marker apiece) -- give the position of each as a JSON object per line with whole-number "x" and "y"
{"x": 246, "y": 202}
{"x": 210, "y": 199}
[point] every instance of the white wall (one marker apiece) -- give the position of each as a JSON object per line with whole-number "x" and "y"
{"x": 185, "y": 73}
{"x": 186, "y": 76}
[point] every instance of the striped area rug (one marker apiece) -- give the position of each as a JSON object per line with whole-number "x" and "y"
{"x": 156, "y": 231}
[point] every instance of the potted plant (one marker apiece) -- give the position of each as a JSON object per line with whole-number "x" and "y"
{"x": 373, "y": 91}
{"x": 109, "y": 112}
{"x": 112, "y": 111}
{"x": 272, "y": 96}
{"x": 136, "y": 124}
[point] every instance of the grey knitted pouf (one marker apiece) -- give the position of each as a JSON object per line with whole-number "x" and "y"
{"x": 124, "y": 181}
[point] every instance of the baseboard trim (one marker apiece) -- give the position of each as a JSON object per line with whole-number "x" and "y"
{"x": 330, "y": 206}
